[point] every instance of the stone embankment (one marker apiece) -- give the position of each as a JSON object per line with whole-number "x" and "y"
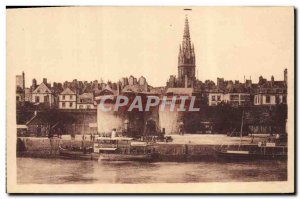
{"x": 49, "y": 148}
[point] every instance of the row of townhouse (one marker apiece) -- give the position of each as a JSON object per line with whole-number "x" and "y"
{"x": 246, "y": 99}
{"x": 67, "y": 99}
{"x": 269, "y": 97}
{"x": 71, "y": 95}
{"x": 234, "y": 99}
{"x": 266, "y": 93}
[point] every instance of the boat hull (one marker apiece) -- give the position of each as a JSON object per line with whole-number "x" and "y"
{"x": 78, "y": 155}
{"x": 251, "y": 156}
{"x": 125, "y": 157}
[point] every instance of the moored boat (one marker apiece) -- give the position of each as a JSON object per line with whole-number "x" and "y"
{"x": 79, "y": 154}
{"x": 262, "y": 151}
{"x": 255, "y": 153}
{"x": 123, "y": 149}
{"x": 112, "y": 149}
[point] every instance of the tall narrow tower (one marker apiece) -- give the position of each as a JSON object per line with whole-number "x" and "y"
{"x": 186, "y": 59}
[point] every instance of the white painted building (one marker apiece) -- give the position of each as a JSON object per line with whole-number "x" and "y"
{"x": 215, "y": 98}
{"x": 234, "y": 99}
{"x": 42, "y": 95}
{"x": 269, "y": 99}
{"x": 85, "y": 101}
{"x": 237, "y": 99}
{"x": 67, "y": 99}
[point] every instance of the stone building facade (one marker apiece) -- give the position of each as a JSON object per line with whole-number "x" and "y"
{"x": 42, "y": 95}
{"x": 67, "y": 99}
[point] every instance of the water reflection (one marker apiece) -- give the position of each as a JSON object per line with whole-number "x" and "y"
{"x": 59, "y": 171}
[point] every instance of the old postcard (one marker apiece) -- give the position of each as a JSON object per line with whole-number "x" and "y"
{"x": 150, "y": 100}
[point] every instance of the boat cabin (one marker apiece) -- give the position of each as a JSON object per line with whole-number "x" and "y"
{"x": 120, "y": 145}
{"x": 108, "y": 145}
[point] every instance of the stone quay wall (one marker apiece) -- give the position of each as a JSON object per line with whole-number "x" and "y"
{"x": 49, "y": 148}
{"x": 45, "y": 148}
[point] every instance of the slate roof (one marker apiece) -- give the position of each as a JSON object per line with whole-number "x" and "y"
{"x": 42, "y": 89}
{"x": 67, "y": 91}
{"x": 180, "y": 91}
{"x": 136, "y": 88}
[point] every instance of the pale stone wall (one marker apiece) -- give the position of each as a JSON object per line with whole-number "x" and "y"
{"x": 170, "y": 120}
{"x": 85, "y": 106}
{"x": 108, "y": 120}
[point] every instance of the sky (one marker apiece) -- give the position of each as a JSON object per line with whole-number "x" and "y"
{"x": 93, "y": 43}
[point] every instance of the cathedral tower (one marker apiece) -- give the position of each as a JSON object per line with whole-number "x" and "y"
{"x": 186, "y": 59}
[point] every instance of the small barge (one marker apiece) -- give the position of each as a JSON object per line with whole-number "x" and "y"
{"x": 123, "y": 149}
{"x": 78, "y": 153}
{"x": 112, "y": 149}
{"x": 259, "y": 152}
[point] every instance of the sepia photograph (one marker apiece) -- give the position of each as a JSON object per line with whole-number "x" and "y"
{"x": 150, "y": 99}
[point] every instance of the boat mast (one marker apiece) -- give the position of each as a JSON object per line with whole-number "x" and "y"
{"x": 241, "y": 131}
{"x": 83, "y": 130}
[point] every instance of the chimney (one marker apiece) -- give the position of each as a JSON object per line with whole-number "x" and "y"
{"x": 118, "y": 88}
{"x": 23, "y": 77}
{"x": 285, "y": 75}
{"x": 45, "y": 81}
{"x": 34, "y": 84}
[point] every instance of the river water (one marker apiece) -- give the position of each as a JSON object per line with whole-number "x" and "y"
{"x": 60, "y": 171}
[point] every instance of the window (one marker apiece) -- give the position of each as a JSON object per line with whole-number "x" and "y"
{"x": 46, "y": 98}
{"x": 71, "y": 104}
{"x": 18, "y": 98}
{"x": 277, "y": 99}
{"x": 37, "y": 99}
{"x": 213, "y": 98}
{"x": 219, "y": 98}
{"x": 268, "y": 99}
{"x": 63, "y": 104}
{"x": 88, "y": 106}
{"x": 71, "y": 96}
{"x": 81, "y": 106}
{"x": 38, "y": 91}
{"x": 63, "y": 97}
{"x": 245, "y": 97}
{"x": 284, "y": 99}
{"x": 234, "y": 97}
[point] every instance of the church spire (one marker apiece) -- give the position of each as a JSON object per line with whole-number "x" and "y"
{"x": 186, "y": 33}
{"x": 186, "y": 50}
{"x": 186, "y": 57}
{"x": 186, "y": 42}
